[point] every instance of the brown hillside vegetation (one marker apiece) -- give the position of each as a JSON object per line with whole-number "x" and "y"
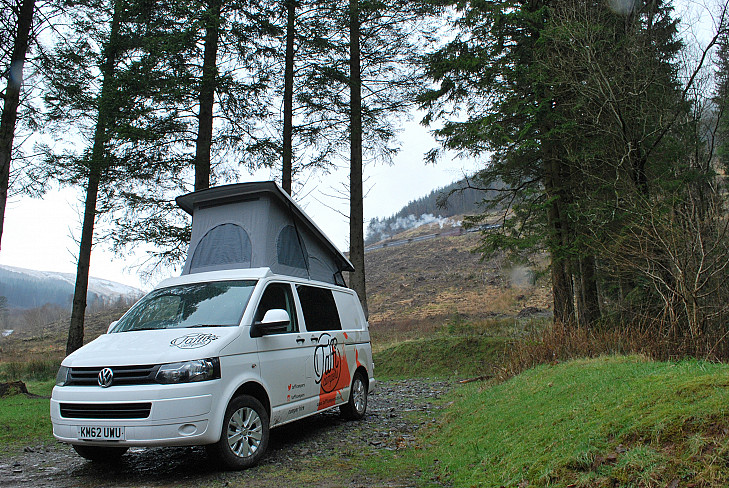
{"x": 426, "y": 283}
{"x": 46, "y": 340}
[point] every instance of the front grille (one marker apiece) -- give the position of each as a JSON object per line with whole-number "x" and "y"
{"x": 123, "y": 375}
{"x": 105, "y": 410}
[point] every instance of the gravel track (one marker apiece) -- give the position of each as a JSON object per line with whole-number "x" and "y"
{"x": 310, "y": 452}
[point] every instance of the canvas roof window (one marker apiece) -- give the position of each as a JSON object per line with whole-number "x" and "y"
{"x": 253, "y": 225}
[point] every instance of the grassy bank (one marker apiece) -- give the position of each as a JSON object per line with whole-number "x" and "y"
{"x": 441, "y": 357}
{"x": 455, "y": 348}
{"x": 611, "y": 421}
{"x": 620, "y": 421}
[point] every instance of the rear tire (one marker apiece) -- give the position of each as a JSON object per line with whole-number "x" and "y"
{"x": 244, "y": 437}
{"x": 356, "y": 407}
{"x": 99, "y": 454}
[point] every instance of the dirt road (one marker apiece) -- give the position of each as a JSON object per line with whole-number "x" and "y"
{"x": 322, "y": 451}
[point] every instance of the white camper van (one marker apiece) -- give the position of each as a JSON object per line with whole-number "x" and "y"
{"x": 244, "y": 341}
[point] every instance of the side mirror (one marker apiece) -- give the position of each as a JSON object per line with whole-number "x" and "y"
{"x": 276, "y": 321}
{"x": 111, "y": 326}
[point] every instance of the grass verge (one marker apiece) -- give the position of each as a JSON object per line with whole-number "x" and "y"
{"x": 611, "y": 421}
{"x": 25, "y": 419}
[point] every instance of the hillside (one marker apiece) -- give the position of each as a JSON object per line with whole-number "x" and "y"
{"x": 413, "y": 288}
{"x": 42, "y": 336}
{"x": 428, "y": 282}
{"x": 27, "y": 288}
{"x": 421, "y": 270}
{"x": 449, "y": 201}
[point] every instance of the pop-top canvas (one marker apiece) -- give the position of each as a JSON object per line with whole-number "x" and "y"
{"x": 254, "y": 225}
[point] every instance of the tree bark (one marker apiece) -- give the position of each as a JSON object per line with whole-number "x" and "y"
{"x": 96, "y": 167}
{"x": 286, "y": 177}
{"x": 588, "y": 301}
{"x": 356, "y": 199}
{"x": 12, "y": 100}
{"x": 78, "y": 311}
{"x": 207, "y": 96}
{"x": 562, "y": 290}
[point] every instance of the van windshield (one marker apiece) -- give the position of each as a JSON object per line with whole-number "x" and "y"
{"x": 215, "y": 304}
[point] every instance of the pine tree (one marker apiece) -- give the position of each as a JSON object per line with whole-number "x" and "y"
{"x": 513, "y": 112}
{"x": 288, "y": 98}
{"x": 20, "y": 40}
{"x": 95, "y": 168}
{"x": 229, "y": 80}
{"x": 365, "y": 81}
{"x": 356, "y": 193}
{"x": 580, "y": 107}
{"x": 721, "y": 100}
{"x": 128, "y": 116}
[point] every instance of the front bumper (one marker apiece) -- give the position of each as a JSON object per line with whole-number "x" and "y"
{"x": 179, "y": 415}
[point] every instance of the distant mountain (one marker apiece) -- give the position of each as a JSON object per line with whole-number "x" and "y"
{"x": 454, "y": 199}
{"x": 27, "y": 288}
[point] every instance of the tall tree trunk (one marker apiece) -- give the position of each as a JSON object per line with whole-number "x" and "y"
{"x": 588, "y": 302}
{"x": 207, "y": 96}
{"x": 78, "y": 311}
{"x": 562, "y": 290}
{"x": 288, "y": 153}
{"x": 12, "y": 100}
{"x": 640, "y": 176}
{"x": 356, "y": 199}
{"x": 105, "y": 104}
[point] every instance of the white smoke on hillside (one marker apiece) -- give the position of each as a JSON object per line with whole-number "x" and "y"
{"x": 521, "y": 276}
{"x": 383, "y": 229}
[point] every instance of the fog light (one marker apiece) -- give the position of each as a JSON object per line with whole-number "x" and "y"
{"x": 187, "y": 429}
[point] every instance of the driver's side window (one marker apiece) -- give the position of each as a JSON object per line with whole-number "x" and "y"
{"x": 278, "y": 296}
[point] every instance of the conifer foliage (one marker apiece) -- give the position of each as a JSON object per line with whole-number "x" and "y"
{"x": 175, "y": 96}
{"x": 588, "y": 123}
{"x": 94, "y": 82}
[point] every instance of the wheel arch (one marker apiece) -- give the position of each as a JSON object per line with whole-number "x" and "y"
{"x": 257, "y": 391}
{"x": 363, "y": 371}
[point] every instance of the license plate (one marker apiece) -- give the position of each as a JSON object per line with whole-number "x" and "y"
{"x": 88, "y": 433}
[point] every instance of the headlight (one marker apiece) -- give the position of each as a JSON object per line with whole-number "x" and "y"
{"x": 189, "y": 371}
{"x": 62, "y": 376}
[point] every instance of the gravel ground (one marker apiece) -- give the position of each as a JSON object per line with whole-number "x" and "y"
{"x": 311, "y": 452}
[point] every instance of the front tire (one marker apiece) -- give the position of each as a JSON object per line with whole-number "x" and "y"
{"x": 244, "y": 437}
{"x": 356, "y": 407}
{"x": 100, "y": 454}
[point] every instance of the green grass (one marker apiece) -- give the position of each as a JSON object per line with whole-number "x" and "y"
{"x": 456, "y": 348}
{"x": 604, "y": 422}
{"x": 24, "y": 419}
{"x": 439, "y": 357}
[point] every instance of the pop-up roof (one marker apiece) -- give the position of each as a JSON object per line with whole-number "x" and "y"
{"x": 256, "y": 225}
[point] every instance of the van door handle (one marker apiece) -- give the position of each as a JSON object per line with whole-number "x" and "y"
{"x": 300, "y": 340}
{"x": 314, "y": 339}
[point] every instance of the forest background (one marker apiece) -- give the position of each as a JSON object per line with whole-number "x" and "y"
{"x": 599, "y": 125}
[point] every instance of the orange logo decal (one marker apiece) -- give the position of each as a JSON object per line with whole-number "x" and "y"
{"x": 331, "y": 370}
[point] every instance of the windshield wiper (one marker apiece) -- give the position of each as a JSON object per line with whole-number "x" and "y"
{"x": 208, "y": 325}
